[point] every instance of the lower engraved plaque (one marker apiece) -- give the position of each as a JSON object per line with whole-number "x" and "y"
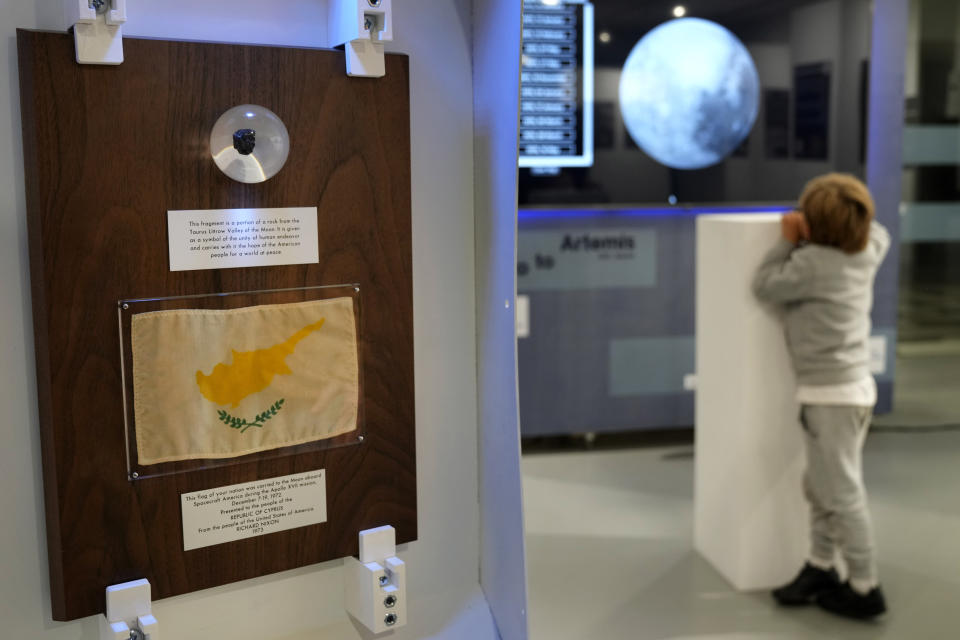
{"x": 225, "y": 514}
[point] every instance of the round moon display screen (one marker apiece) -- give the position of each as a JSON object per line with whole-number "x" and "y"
{"x": 689, "y": 93}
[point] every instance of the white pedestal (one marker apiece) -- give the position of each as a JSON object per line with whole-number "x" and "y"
{"x": 751, "y": 521}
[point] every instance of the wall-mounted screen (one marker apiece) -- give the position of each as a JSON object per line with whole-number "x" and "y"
{"x": 556, "y": 86}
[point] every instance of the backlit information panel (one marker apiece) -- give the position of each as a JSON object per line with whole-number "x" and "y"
{"x": 556, "y": 86}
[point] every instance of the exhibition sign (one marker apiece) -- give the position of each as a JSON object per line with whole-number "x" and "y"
{"x": 226, "y": 514}
{"x": 242, "y": 238}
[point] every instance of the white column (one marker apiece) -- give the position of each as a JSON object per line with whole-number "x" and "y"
{"x": 751, "y": 521}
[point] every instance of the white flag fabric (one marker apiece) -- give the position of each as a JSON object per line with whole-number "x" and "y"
{"x": 220, "y": 384}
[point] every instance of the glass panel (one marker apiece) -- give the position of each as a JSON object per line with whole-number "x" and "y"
{"x": 606, "y": 240}
{"x": 928, "y": 353}
{"x": 230, "y": 378}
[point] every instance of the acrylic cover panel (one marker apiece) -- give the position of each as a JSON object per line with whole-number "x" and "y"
{"x": 225, "y": 383}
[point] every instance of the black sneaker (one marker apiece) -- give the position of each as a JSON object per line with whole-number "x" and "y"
{"x": 809, "y": 583}
{"x": 848, "y": 603}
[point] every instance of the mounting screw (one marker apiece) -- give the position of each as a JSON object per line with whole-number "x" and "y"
{"x": 384, "y": 580}
{"x": 134, "y": 475}
{"x": 136, "y": 634}
{"x": 390, "y": 620}
{"x": 359, "y": 438}
{"x": 357, "y": 289}
{"x": 374, "y": 3}
{"x": 101, "y": 6}
{"x": 126, "y": 306}
{"x": 390, "y": 601}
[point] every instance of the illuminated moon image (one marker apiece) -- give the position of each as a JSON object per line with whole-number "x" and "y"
{"x": 689, "y": 93}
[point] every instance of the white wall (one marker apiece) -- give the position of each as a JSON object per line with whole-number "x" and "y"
{"x": 445, "y": 599}
{"x": 496, "y": 55}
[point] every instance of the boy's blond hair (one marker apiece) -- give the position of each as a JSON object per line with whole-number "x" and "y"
{"x": 838, "y": 209}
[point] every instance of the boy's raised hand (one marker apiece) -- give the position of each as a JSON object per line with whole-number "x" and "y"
{"x": 794, "y": 227}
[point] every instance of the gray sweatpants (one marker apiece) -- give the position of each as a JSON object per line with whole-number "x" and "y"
{"x": 833, "y": 484}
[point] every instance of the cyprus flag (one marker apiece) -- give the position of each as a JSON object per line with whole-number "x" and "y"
{"x": 219, "y": 384}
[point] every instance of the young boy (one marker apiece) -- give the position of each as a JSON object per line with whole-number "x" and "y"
{"x": 822, "y": 274}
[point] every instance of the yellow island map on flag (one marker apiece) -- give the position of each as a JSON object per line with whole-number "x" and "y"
{"x": 220, "y": 384}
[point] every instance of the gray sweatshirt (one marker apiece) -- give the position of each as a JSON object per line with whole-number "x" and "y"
{"x": 826, "y": 295}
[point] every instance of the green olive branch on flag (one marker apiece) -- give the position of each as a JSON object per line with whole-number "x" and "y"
{"x": 242, "y": 424}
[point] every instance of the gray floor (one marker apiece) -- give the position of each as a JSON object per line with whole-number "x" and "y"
{"x": 610, "y": 552}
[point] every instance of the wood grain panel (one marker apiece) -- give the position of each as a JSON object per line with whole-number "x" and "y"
{"x": 108, "y": 151}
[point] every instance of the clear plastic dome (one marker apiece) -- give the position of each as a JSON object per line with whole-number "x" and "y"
{"x": 249, "y": 143}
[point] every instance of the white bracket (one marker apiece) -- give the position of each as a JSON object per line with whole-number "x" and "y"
{"x": 361, "y": 26}
{"x": 375, "y": 586}
{"x": 129, "y": 614}
{"x": 97, "y": 31}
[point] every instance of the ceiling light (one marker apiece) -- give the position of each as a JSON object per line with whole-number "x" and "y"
{"x": 679, "y": 11}
{"x": 604, "y": 37}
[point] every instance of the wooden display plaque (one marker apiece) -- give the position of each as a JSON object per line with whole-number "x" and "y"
{"x": 108, "y": 152}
